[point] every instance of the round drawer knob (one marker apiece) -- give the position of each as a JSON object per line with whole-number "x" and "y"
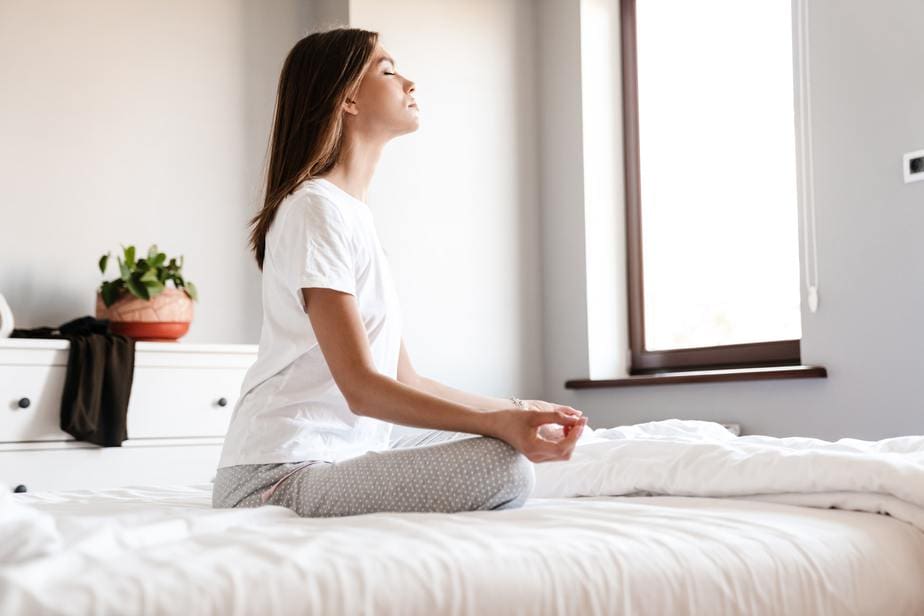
{"x": 20, "y": 488}
{"x": 222, "y": 402}
{"x": 24, "y": 403}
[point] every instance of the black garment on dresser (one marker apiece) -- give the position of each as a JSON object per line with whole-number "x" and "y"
{"x": 98, "y": 382}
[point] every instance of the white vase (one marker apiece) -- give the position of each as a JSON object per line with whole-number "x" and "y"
{"x": 6, "y": 318}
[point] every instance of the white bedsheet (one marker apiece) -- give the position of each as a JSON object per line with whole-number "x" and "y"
{"x": 702, "y": 458}
{"x": 165, "y": 551}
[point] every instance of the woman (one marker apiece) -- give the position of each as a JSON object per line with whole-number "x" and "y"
{"x": 312, "y": 430}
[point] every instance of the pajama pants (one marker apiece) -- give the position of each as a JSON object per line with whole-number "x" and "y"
{"x": 426, "y": 470}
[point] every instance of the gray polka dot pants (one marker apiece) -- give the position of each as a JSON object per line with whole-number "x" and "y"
{"x": 426, "y": 470}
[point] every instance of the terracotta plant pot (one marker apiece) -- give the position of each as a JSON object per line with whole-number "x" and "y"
{"x": 164, "y": 318}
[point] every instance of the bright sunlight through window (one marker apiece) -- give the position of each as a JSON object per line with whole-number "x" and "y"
{"x": 718, "y": 172}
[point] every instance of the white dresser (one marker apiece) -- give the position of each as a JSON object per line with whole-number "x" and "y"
{"x": 181, "y": 401}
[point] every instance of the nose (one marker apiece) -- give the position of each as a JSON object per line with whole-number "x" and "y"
{"x": 411, "y": 86}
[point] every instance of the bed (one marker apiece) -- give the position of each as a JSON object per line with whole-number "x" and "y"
{"x": 164, "y": 550}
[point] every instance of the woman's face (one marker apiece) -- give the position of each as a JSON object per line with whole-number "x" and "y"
{"x": 384, "y": 105}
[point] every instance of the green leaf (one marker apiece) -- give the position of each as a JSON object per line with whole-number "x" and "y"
{"x": 154, "y": 288}
{"x": 123, "y": 270}
{"x": 102, "y": 263}
{"x": 111, "y": 291}
{"x": 137, "y": 288}
{"x": 152, "y": 251}
{"x": 130, "y": 255}
{"x": 158, "y": 259}
{"x": 149, "y": 275}
{"x": 191, "y": 290}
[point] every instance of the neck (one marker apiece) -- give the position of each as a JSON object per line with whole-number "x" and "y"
{"x": 353, "y": 171}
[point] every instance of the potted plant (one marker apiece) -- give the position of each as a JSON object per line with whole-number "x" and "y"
{"x": 139, "y": 304}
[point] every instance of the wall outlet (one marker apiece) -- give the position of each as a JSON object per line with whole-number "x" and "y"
{"x": 913, "y": 166}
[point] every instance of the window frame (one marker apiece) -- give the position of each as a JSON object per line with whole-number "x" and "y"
{"x": 642, "y": 361}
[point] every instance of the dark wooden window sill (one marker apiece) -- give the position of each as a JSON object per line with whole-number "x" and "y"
{"x": 705, "y": 376}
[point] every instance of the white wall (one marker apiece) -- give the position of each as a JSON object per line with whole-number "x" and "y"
{"x": 867, "y": 97}
{"x": 456, "y": 203}
{"x": 136, "y": 123}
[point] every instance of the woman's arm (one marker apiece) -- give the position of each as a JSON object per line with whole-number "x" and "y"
{"x": 337, "y": 324}
{"x": 482, "y": 403}
{"x": 409, "y": 376}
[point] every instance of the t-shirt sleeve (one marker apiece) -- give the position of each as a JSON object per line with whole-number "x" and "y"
{"x": 323, "y": 249}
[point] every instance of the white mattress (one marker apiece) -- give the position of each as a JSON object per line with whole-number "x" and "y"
{"x": 163, "y": 550}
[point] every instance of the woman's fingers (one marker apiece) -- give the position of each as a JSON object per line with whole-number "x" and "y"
{"x": 559, "y": 417}
{"x": 569, "y": 410}
{"x": 574, "y": 432}
{"x": 550, "y": 435}
{"x": 563, "y": 447}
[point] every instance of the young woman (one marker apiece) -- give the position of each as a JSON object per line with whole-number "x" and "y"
{"x": 312, "y": 430}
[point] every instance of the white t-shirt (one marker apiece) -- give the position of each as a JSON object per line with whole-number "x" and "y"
{"x": 290, "y": 409}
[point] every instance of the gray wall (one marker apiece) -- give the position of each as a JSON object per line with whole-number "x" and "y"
{"x": 868, "y": 97}
{"x": 136, "y": 123}
{"x": 456, "y": 202}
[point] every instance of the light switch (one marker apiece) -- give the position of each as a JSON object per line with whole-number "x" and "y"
{"x": 913, "y": 166}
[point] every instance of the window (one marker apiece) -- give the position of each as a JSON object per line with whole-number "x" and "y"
{"x": 711, "y": 187}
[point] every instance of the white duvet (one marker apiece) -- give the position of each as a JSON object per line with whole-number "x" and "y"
{"x": 163, "y": 550}
{"x": 702, "y": 458}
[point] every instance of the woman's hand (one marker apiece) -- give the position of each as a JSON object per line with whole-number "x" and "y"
{"x": 520, "y": 428}
{"x": 552, "y": 432}
{"x": 542, "y": 405}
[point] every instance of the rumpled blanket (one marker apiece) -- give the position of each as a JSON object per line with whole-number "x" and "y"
{"x": 701, "y": 458}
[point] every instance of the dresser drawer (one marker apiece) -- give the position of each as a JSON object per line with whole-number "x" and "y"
{"x": 182, "y": 402}
{"x": 42, "y": 386}
{"x": 110, "y": 467}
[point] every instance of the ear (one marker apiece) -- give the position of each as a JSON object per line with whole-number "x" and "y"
{"x": 349, "y": 106}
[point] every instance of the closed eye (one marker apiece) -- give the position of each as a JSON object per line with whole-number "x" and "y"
{"x": 387, "y": 73}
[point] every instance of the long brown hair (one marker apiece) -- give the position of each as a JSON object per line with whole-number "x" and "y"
{"x": 321, "y": 71}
